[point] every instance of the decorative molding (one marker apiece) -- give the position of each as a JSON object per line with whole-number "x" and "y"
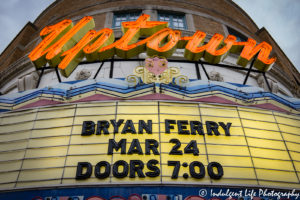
{"x": 27, "y": 82}
{"x": 115, "y": 89}
{"x": 216, "y": 76}
{"x": 262, "y": 84}
{"x": 83, "y": 74}
{"x": 15, "y": 69}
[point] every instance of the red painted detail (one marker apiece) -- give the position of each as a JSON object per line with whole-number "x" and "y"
{"x": 157, "y": 97}
{"x": 215, "y": 99}
{"x": 42, "y": 102}
{"x": 97, "y": 97}
{"x": 270, "y": 106}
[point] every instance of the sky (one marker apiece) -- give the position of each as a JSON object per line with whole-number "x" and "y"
{"x": 14, "y": 15}
{"x": 280, "y": 17}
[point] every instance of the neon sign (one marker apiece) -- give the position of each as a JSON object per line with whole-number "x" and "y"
{"x": 65, "y": 45}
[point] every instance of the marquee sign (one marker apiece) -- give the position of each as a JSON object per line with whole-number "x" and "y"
{"x": 151, "y": 147}
{"x": 148, "y": 142}
{"x": 65, "y": 45}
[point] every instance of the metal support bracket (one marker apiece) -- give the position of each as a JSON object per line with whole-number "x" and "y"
{"x": 57, "y": 74}
{"x": 267, "y": 82}
{"x": 98, "y": 70}
{"x": 204, "y": 70}
{"x": 40, "y": 76}
{"x": 198, "y": 71}
{"x": 111, "y": 71}
{"x": 249, "y": 70}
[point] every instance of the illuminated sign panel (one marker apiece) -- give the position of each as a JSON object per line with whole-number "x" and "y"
{"x": 85, "y": 169}
{"x": 43, "y": 146}
{"x": 65, "y": 46}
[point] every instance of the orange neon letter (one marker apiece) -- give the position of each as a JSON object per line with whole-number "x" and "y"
{"x": 155, "y": 45}
{"x": 65, "y": 42}
{"x": 50, "y": 35}
{"x": 193, "y": 48}
{"x": 105, "y": 37}
{"x": 69, "y": 40}
{"x": 211, "y": 51}
{"x": 127, "y": 47}
{"x": 74, "y": 56}
{"x": 263, "y": 49}
{"x": 213, "y": 54}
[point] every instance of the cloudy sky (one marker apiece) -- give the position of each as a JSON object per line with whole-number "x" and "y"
{"x": 14, "y": 15}
{"x": 280, "y": 17}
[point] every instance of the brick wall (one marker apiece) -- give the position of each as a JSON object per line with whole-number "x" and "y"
{"x": 207, "y": 25}
{"x": 18, "y": 47}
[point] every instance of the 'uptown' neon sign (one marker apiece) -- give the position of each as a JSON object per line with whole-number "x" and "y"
{"x": 65, "y": 45}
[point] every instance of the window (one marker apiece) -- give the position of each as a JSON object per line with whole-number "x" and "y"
{"x": 124, "y": 17}
{"x": 176, "y": 21}
{"x": 239, "y": 37}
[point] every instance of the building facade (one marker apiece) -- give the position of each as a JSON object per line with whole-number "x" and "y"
{"x": 129, "y": 99}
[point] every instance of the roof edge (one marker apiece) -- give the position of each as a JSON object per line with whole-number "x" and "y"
{"x": 25, "y": 26}
{"x": 242, "y": 11}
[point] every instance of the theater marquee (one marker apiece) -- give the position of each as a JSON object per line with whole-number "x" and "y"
{"x": 149, "y": 142}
